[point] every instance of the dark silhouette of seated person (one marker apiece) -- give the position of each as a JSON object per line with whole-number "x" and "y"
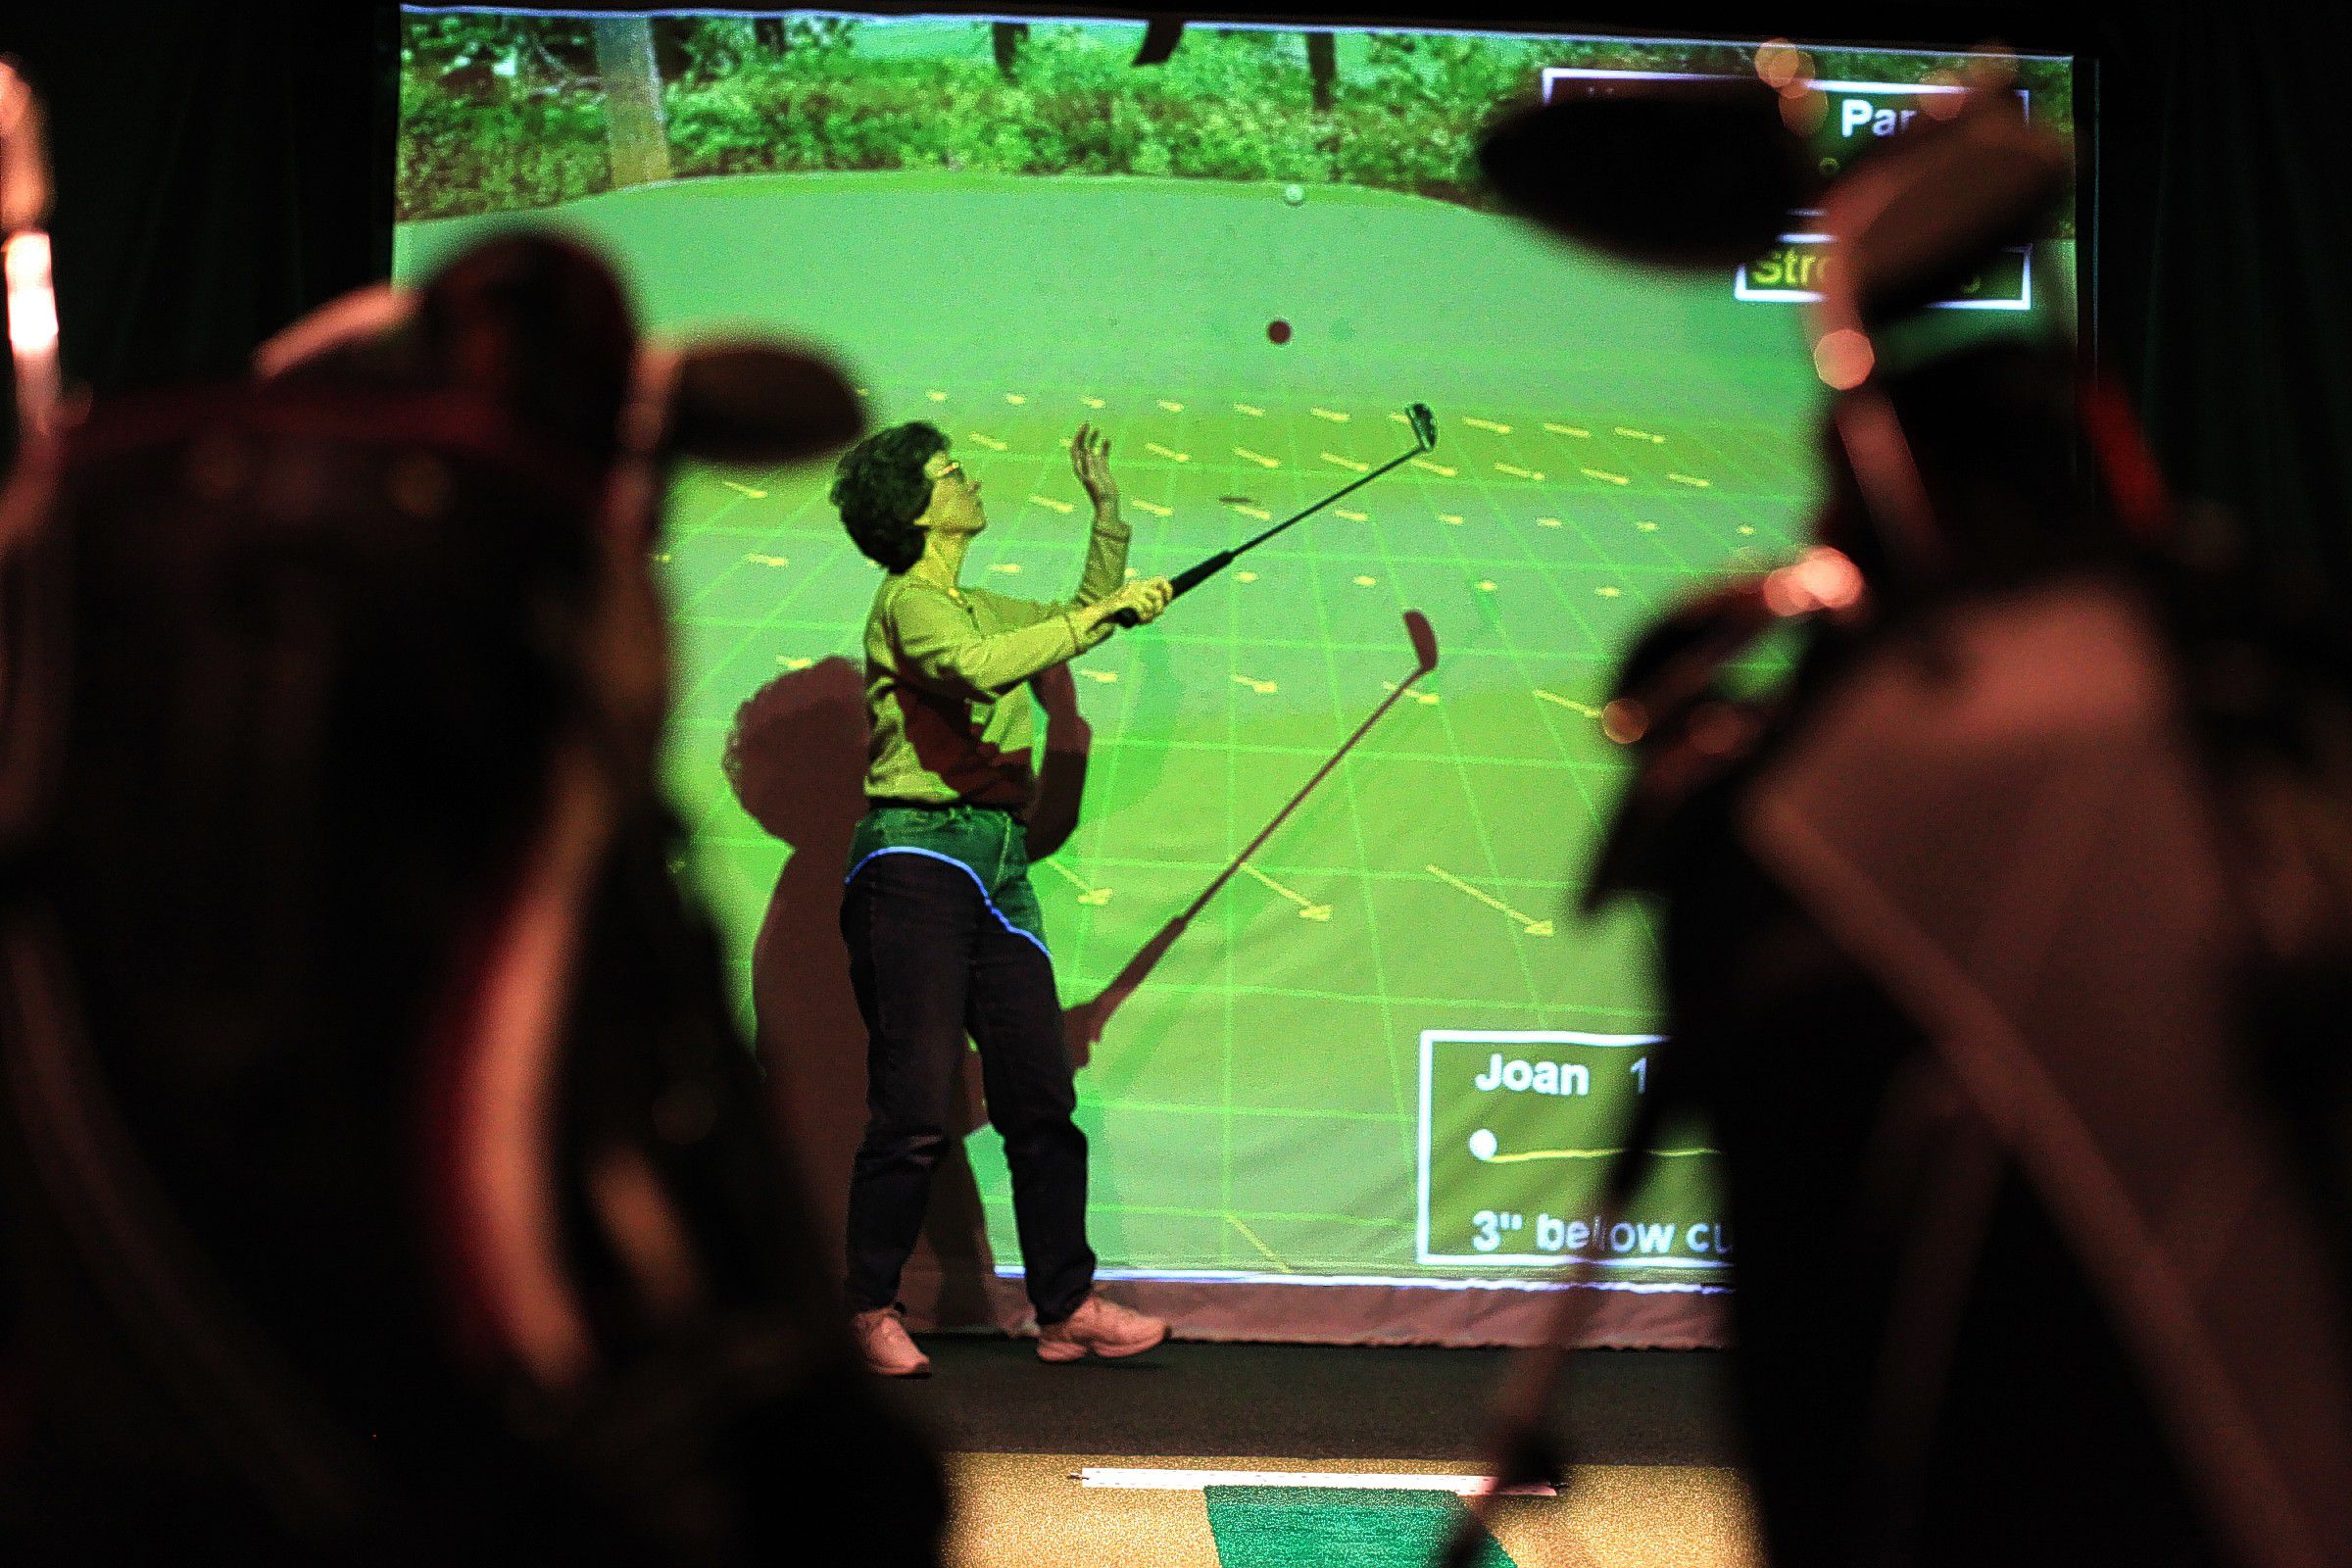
{"x": 398, "y": 1189}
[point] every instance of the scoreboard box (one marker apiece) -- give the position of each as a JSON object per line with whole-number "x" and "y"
{"x": 1792, "y": 271}
{"x": 1856, "y": 115}
{"x": 1519, "y": 1133}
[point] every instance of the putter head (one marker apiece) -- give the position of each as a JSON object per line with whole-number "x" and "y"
{"x": 1681, "y": 174}
{"x": 1425, "y": 640}
{"x": 1425, "y": 425}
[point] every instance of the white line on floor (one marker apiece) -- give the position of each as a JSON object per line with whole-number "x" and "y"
{"x": 1332, "y": 1480}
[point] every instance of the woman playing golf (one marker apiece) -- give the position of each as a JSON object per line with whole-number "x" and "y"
{"x": 943, "y": 928}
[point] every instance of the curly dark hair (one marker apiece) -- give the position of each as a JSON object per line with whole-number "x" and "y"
{"x": 880, "y": 489}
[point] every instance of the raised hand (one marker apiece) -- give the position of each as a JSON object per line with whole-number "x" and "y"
{"x": 1089, "y": 460}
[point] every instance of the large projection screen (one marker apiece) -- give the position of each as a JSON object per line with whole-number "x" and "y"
{"x": 1367, "y": 1092}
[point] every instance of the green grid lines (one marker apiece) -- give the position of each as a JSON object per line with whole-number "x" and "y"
{"x": 1268, "y": 1044}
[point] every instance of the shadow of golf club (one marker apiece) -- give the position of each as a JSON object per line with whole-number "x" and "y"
{"x": 1083, "y": 1025}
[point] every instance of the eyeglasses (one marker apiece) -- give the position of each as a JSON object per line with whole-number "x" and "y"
{"x": 954, "y": 469}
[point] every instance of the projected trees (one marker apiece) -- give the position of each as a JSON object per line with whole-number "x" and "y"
{"x": 579, "y": 105}
{"x": 501, "y": 111}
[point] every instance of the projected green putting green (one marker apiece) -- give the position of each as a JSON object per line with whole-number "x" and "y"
{"x": 1602, "y": 442}
{"x": 1384, "y": 1050}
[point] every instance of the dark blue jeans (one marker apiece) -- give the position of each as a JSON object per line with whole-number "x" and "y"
{"x": 945, "y": 940}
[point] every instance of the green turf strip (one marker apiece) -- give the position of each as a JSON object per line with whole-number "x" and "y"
{"x": 1303, "y": 1527}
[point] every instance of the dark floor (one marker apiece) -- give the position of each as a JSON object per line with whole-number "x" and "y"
{"x": 993, "y": 1395}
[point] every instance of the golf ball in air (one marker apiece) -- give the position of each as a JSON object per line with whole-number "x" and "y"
{"x": 1294, "y": 194}
{"x": 1481, "y": 1144}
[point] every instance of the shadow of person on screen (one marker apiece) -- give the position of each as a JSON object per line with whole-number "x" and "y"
{"x": 1060, "y": 792}
{"x": 796, "y": 758}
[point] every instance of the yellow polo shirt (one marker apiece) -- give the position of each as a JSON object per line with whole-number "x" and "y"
{"x": 949, "y": 714}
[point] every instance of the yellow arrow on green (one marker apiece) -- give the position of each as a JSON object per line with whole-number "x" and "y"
{"x": 1087, "y": 893}
{"x": 1533, "y": 927}
{"x": 1308, "y": 910}
{"x": 1586, "y": 709}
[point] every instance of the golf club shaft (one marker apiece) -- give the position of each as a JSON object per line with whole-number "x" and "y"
{"x": 1192, "y": 577}
{"x": 1347, "y": 489}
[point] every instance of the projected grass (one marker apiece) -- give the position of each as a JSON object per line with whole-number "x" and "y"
{"x": 1602, "y": 442}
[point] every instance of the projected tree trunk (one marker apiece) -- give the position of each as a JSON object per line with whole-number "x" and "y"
{"x": 634, "y": 128}
{"x": 1007, "y": 37}
{"x": 1322, "y": 67}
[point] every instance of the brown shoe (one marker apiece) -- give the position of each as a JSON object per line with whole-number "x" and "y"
{"x": 889, "y": 1350}
{"x": 1099, "y": 1328}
